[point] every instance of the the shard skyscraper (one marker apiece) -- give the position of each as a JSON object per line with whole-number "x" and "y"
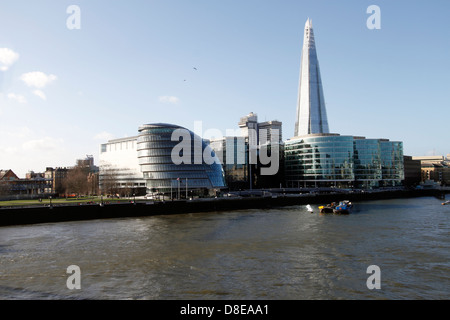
{"x": 311, "y": 112}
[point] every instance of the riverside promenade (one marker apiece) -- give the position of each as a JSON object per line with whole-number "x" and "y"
{"x": 78, "y": 212}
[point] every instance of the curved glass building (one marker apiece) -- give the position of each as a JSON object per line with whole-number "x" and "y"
{"x": 173, "y": 158}
{"x": 325, "y": 160}
{"x": 318, "y": 159}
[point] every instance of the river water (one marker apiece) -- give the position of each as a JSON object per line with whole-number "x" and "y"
{"x": 286, "y": 253}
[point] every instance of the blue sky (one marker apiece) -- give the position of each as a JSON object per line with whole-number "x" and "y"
{"x": 64, "y": 92}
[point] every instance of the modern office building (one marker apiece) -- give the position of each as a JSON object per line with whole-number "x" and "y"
{"x": 241, "y": 156}
{"x": 314, "y": 157}
{"x": 120, "y": 172}
{"x": 270, "y": 132}
{"x": 332, "y": 160}
{"x": 147, "y": 163}
{"x": 249, "y": 128}
{"x": 187, "y": 163}
{"x": 233, "y": 154}
{"x": 311, "y": 112}
{"x": 260, "y": 133}
{"x": 413, "y": 171}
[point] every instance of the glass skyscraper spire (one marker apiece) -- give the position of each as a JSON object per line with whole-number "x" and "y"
{"x": 311, "y": 112}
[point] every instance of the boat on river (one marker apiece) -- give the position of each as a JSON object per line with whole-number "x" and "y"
{"x": 343, "y": 207}
{"x": 329, "y": 208}
{"x": 309, "y": 208}
{"x": 446, "y": 202}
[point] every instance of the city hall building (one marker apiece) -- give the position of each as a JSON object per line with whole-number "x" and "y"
{"x": 145, "y": 164}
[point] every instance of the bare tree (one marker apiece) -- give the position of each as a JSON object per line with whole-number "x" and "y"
{"x": 77, "y": 181}
{"x": 109, "y": 180}
{"x": 93, "y": 183}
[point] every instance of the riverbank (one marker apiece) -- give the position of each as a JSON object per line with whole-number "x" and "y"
{"x": 93, "y": 211}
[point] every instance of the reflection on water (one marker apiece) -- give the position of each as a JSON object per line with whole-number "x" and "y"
{"x": 285, "y": 253}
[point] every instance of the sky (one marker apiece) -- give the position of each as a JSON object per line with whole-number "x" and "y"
{"x": 71, "y": 80}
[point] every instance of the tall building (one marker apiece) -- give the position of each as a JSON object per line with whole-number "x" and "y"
{"x": 241, "y": 156}
{"x": 249, "y": 128}
{"x": 270, "y": 132}
{"x": 311, "y": 112}
{"x": 314, "y": 157}
{"x": 233, "y": 154}
{"x": 260, "y": 133}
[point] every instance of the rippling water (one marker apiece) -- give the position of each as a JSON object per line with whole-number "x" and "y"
{"x": 284, "y": 253}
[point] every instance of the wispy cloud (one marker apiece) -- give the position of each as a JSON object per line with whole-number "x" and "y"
{"x": 7, "y": 58}
{"x": 43, "y": 144}
{"x": 17, "y": 97}
{"x": 105, "y": 136}
{"x": 37, "y": 79}
{"x": 169, "y": 99}
{"x": 40, "y": 94}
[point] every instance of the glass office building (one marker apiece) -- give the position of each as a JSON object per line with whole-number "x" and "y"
{"x": 199, "y": 170}
{"x": 392, "y": 164}
{"x": 311, "y": 109}
{"x": 319, "y": 160}
{"x": 367, "y": 162}
{"x": 233, "y": 153}
{"x": 332, "y": 160}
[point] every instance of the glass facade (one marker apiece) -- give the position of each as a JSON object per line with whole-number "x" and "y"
{"x": 392, "y": 164}
{"x": 233, "y": 152}
{"x": 367, "y": 162}
{"x": 156, "y": 159}
{"x": 315, "y": 161}
{"x": 326, "y": 160}
{"x": 311, "y": 110}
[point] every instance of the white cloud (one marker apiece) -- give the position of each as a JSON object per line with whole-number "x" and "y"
{"x": 17, "y": 97}
{"x": 43, "y": 144}
{"x": 169, "y": 99}
{"x": 22, "y": 132}
{"x": 8, "y": 150}
{"x": 37, "y": 79}
{"x": 16, "y": 132}
{"x": 40, "y": 94}
{"x": 7, "y": 58}
{"x": 105, "y": 136}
